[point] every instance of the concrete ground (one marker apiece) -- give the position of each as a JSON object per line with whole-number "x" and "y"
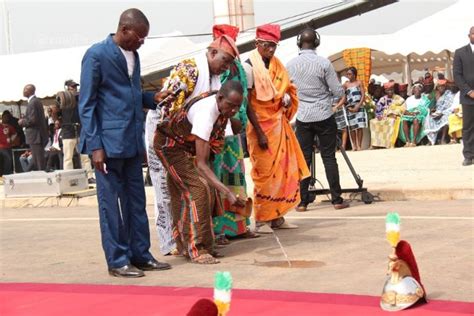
{"x": 420, "y": 173}
{"x": 345, "y": 251}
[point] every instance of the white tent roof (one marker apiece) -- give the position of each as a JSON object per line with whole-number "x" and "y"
{"x": 48, "y": 70}
{"x": 425, "y": 41}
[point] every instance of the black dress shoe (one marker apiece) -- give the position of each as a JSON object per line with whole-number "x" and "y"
{"x": 341, "y": 206}
{"x": 127, "y": 271}
{"x": 467, "y": 162}
{"x": 153, "y": 265}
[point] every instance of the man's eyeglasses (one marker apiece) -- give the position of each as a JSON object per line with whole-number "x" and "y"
{"x": 268, "y": 45}
{"x": 140, "y": 39}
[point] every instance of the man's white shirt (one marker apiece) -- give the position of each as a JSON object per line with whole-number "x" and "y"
{"x": 203, "y": 115}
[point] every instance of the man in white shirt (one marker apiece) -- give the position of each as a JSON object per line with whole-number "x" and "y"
{"x": 463, "y": 70}
{"x": 36, "y": 132}
{"x": 184, "y": 142}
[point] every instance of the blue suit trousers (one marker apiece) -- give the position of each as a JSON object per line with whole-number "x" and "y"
{"x": 123, "y": 219}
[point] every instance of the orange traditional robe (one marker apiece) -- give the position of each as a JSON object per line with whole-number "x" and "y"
{"x": 277, "y": 171}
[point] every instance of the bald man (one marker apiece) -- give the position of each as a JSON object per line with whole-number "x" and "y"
{"x": 36, "y": 129}
{"x": 317, "y": 84}
{"x": 111, "y": 112}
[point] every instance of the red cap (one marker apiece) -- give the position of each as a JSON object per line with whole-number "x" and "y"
{"x": 389, "y": 85}
{"x": 226, "y": 44}
{"x": 225, "y": 29}
{"x": 269, "y": 33}
{"x": 203, "y": 307}
{"x": 403, "y": 87}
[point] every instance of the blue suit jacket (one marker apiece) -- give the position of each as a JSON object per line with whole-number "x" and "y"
{"x": 111, "y": 103}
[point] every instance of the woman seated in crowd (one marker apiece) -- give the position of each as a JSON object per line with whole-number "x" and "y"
{"x": 353, "y": 115}
{"x": 54, "y": 152}
{"x": 455, "y": 120}
{"x": 428, "y": 90}
{"x": 437, "y": 120}
{"x": 402, "y": 90}
{"x": 385, "y": 126}
{"x": 417, "y": 107}
{"x": 26, "y": 161}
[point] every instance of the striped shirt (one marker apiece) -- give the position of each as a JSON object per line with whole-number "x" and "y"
{"x": 317, "y": 84}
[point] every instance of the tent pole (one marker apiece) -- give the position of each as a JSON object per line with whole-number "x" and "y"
{"x": 448, "y": 66}
{"x": 406, "y": 70}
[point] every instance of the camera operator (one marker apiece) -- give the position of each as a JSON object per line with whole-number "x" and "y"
{"x": 71, "y": 127}
{"x": 317, "y": 85}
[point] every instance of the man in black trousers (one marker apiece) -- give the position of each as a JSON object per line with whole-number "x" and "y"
{"x": 36, "y": 132}
{"x": 317, "y": 84}
{"x": 463, "y": 69}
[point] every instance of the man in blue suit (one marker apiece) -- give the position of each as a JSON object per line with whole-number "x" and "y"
{"x": 111, "y": 112}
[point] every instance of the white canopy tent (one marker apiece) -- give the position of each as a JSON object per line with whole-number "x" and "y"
{"x": 48, "y": 70}
{"x": 427, "y": 44}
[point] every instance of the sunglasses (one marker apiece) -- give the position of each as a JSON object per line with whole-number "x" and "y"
{"x": 267, "y": 45}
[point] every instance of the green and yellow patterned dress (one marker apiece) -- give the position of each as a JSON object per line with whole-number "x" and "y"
{"x": 229, "y": 165}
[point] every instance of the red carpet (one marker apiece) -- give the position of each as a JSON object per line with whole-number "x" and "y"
{"x": 75, "y": 299}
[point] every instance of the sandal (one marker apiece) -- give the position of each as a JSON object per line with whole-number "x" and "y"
{"x": 222, "y": 240}
{"x": 301, "y": 208}
{"x": 280, "y": 223}
{"x": 216, "y": 254}
{"x": 277, "y": 222}
{"x": 263, "y": 229}
{"x": 205, "y": 259}
{"x": 250, "y": 234}
{"x": 173, "y": 252}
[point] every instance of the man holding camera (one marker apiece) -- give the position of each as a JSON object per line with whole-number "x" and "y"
{"x": 71, "y": 128}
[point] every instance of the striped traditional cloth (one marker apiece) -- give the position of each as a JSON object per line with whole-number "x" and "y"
{"x": 356, "y": 120}
{"x": 193, "y": 200}
{"x": 360, "y": 58}
{"x": 383, "y": 133}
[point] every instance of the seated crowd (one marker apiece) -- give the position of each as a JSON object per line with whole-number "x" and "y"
{"x": 430, "y": 115}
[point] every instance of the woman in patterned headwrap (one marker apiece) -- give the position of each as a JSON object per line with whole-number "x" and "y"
{"x": 438, "y": 118}
{"x": 455, "y": 119}
{"x": 417, "y": 105}
{"x": 428, "y": 90}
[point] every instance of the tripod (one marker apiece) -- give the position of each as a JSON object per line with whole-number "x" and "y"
{"x": 366, "y": 196}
